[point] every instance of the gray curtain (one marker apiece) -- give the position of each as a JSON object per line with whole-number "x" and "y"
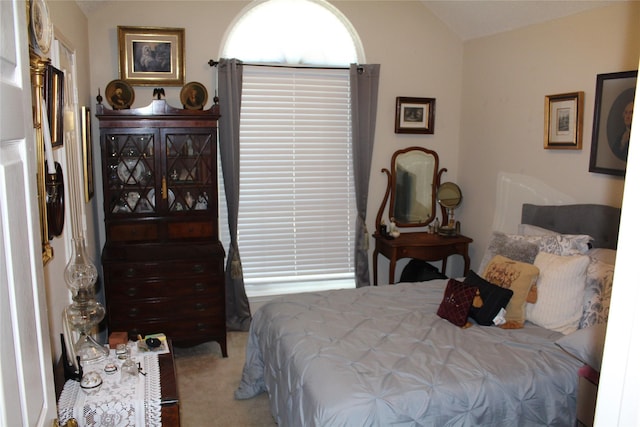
{"x": 364, "y": 105}
{"x": 230, "y": 89}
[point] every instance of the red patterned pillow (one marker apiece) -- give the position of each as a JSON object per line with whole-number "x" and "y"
{"x": 457, "y": 301}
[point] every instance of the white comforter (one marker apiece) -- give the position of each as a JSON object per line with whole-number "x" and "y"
{"x": 380, "y": 356}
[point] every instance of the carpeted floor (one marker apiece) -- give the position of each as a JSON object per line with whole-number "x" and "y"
{"x": 206, "y": 382}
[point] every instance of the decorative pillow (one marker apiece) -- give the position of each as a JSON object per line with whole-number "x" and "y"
{"x": 517, "y": 250}
{"x": 517, "y": 276}
{"x": 597, "y": 295}
{"x": 608, "y": 256}
{"x": 493, "y": 297}
{"x": 456, "y": 302}
{"x": 561, "y": 288}
{"x": 534, "y": 230}
{"x": 559, "y": 244}
{"x": 586, "y": 345}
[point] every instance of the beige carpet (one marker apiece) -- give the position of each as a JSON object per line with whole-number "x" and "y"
{"x": 206, "y": 382}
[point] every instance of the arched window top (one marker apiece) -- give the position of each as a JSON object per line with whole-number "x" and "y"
{"x": 293, "y": 32}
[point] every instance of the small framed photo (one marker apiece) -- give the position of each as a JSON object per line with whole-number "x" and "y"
{"x": 612, "y": 122}
{"x": 415, "y": 115}
{"x": 54, "y": 97}
{"x": 87, "y": 154}
{"x": 151, "y": 56}
{"x": 563, "y": 121}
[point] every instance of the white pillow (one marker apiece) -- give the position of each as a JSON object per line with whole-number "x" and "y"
{"x": 597, "y": 293}
{"x": 558, "y": 244}
{"x": 586, "y": 344}
{"x": 561, "y": 286}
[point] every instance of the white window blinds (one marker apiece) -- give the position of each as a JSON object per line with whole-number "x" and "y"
{"x": 296, "y": 224}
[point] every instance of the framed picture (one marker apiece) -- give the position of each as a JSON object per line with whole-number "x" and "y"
{"x": 119, "y": 94}
{"x": 151, "y": 56}
{"x": 563, "y": 121}
{"x": 415, "y": 115}
{"x": 87, "y": 154}
{"x": 193, "y": 96}
{"x": 54, "y": 97}
{"x": 612, "y": 122}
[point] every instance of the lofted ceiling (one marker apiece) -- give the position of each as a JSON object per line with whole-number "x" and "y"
{"x": 471, "y": 19}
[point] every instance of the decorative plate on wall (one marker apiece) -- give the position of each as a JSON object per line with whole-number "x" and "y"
{"x": 119, "y": 94}
{"x": 193, "y": 96}
{"x": 41, "y": 27}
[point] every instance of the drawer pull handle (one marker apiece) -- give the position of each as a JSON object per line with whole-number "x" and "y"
{"x": 200, "y": 306}
{"x": 130, "y": 272}
{"x": 199, "y": 287}
{"x": 198, "y": 268}
{"x": 133, "y": 312}
{"x": 132, "y": 292}
{"x": 201, "y": 327}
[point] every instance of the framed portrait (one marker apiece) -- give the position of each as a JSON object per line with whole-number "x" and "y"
{"x": 54, "y": 97}
{"x": 612, "y": 122}
{"x": 193, "y": 96}
{"x": 120, "y": 94}
{"x": 151, "y": 56}
{"x": 563, "y": 121}
{"x": 415, "y": 115}
{"x": 87, "y": 154}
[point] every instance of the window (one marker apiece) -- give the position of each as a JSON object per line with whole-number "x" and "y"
{"x": 296, "y": 225}
{"x": 293, "y": 32}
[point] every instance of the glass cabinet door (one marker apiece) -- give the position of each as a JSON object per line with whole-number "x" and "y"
{"x": 131, "y": 170}
{"x": 190, "y": 173}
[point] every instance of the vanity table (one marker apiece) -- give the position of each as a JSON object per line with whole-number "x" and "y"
{"x": 413, "y": 185}
{"x": 424, "y": 246}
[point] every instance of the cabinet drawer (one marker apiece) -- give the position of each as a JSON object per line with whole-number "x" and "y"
{"x": 132, "y": 232}
{"x": 166, "y": 308}
{"x": 183, "y": 230}
{"x": 169, "y": 269}
{"x": 198, "y": 287}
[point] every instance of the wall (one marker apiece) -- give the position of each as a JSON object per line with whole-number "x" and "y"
{"x": 506, "y": 78}
{"x": 490, "y": 91}
{"x": 419, "y": 57}
{"x": 70, "y": 28}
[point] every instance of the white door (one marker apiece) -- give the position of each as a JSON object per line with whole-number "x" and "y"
{"x": 27, "y": 395}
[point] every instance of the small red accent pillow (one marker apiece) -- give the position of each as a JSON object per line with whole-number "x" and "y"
{"x": 456, "y": 302}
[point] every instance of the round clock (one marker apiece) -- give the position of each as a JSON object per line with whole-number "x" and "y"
{"x": 41, "y": 26}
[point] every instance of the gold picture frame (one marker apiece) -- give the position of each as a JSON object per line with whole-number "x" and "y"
{"x": 151, "y": 56}
{"x": 87, "y": 154}
{"x": 54, "y": 97}
{"x": 563, "y": 121}
{"x": 415, "y": 115}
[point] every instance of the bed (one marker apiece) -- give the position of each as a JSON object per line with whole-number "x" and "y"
{"x": 382, "y": 356}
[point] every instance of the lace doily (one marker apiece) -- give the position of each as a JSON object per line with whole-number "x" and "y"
{"x": 122, "y": 401}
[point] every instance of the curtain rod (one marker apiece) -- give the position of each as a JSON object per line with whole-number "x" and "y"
{"x": 213, "y": 63}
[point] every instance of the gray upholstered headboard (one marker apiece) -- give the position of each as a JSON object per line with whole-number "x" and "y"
{"x": 598, "y": 221}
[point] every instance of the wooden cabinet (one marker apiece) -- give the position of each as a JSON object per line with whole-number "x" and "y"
{"x": 163, "y": 261}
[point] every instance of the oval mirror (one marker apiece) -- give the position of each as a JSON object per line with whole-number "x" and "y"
{"x": 413, "y": 180}
{"x": 449, "y": 195}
